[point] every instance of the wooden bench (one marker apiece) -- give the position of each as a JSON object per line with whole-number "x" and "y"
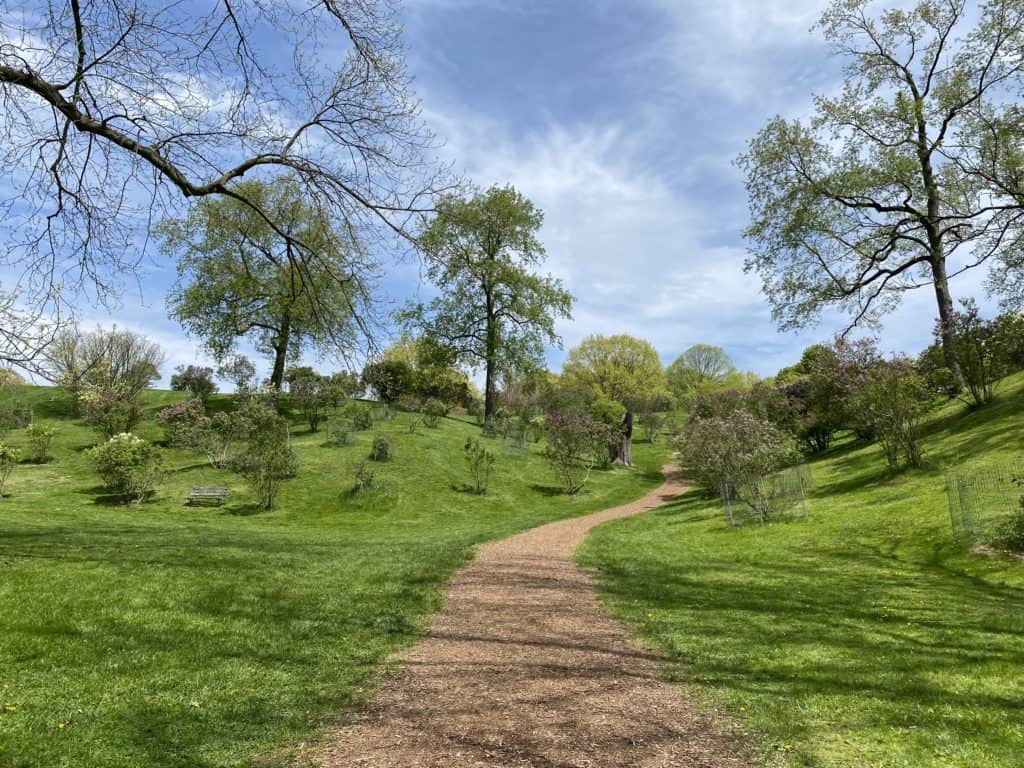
{"x": 214, "y": 495}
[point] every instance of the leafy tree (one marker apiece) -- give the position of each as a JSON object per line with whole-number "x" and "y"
{"x": 194, "y": 379}
{"x": 239, "y": 370}
{"x": 9, "y": 457}
{"x": 985, "y": 350}
{"x": 891, "y": 398}
{"x": 621, "y": 368}
{"x": 312, "y": 394}
{"x": 389, "y": 379}
{"x": 238, "y": 276}
{"x": 494, "y": 311}
{"x": 872, "y": 196}
{"x": 696, "y": 368}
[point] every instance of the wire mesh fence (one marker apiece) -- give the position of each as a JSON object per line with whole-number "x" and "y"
{"x": 771, "y": 498}
{"x": 986, "y": 501}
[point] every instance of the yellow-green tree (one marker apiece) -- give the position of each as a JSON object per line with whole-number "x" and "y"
{"x": 621, "y": 368}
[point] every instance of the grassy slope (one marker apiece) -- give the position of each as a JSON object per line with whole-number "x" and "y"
{"x": 862, "y": 637}
{"x": 167, "y": 636}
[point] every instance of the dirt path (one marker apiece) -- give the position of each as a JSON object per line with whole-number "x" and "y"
{"x": 522, "y": 668}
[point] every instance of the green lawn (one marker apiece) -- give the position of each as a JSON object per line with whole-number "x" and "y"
{"x": 161, "y": 635}
{"x": 864, "y": 636}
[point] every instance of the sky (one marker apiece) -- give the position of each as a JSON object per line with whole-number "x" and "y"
{"x": 621, "y": 121}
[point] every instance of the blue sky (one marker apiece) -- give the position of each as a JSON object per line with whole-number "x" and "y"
{"x": 621, "y": 121}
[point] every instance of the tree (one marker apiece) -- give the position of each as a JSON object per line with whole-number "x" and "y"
{"x": 115, "y": 112}
{"x": 696, "y": 367}
{"x": 194, "y": 379}
{"x": 239, "y": 370}
{"x": 494, "y": 311}
{"x": 118, "y": 360}
{"x": 872, "y": 196}
{"x": 238, "y": 276}
{"x": 389, "y": 379}
{"x": 312, "y": 394}
{"x": 621, "y": 368}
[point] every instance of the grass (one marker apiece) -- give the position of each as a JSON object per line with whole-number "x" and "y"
{"x": 865, "y": 636}
{"x": 165, "y": 636}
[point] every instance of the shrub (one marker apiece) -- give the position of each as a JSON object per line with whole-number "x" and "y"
{"x": 108, "y": 410}
{"x": 10, "y": 378}
{"x": 433, "y": 411}
{"x": 383, "y": 447}
{"x": 735, "y": 448}
{"x": 480, "y": 461}
{"x": 365, "y": 478}
{"x": 267, "y": 459}
{"x": 576, "y": 444}
{"x": 312, "y": 395}
{"x": 652, "y": 423}
{"x": 184, "y": 424}
{"x": 128, "y": 466}
{"x": 39, "y": 439}
{"x": 891, "y": 401}
{"x": 984, "y": 349}
{"x": 14, "y": 414}
{"x": 8, "y": 460}
{"x": 194, "y": 379}
{"x": 115, "y": 360}
{"x": 339, "y": 433}
{"x": 360, "y": 415}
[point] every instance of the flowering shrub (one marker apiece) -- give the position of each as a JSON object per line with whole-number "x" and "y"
{"x": 576, "y": 444}
{"x": 480, "y": 461}
{"x": 185, "y": 423}
{"x": 8, "y": 460}
{"x": 127, "y": 465}
{"x": 891, "y": 399}
{"x": 39, "y": 439}
{"x": 737, "y": 448}
{"x": 267, "y": 459}
{"x": 108, "y": 410}
{"x": 984, "y": 349}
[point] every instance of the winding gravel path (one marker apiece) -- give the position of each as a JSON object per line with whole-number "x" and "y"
{"x": 522, "y": 668}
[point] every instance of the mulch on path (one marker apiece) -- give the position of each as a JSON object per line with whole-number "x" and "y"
{"x": 522, "y": 668}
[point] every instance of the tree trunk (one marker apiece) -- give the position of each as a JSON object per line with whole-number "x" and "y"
{"x": 491, "y": 356}
{"x": 945, "y": 301}
{"x": 280, "y": 348}
{"x": 626, "y": 448}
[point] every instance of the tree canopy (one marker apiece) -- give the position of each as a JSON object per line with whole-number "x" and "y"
{"x": 238, "y": 277}
{"x": 697, "y": 366}
{"x": 494, "y": 311}
{"x": 871, "y": 196}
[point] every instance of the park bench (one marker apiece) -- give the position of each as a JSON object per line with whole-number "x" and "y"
{"x": 213, "y": 495}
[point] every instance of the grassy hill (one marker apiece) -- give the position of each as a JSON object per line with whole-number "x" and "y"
{"x": 161, "y": 635}
{"x": 865, "y": 636}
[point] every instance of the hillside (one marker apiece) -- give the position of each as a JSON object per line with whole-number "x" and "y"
{"x": 169, "y": 636}
{"x": 864, "y": 636}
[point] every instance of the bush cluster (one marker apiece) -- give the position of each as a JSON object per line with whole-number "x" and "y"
{"x": 576, "y": 443}
{"x": 8, "y": 460}
{"x": 128, "y": 466}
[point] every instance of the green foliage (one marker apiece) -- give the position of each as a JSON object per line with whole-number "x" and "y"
{"x": 362, "y": 418}
{"x": 652, "y": 423}
{"x": 620, "y": 368}
{"x": 433, "y": 411}
{"x": 339, "y": 432}
{"x": 313, "y": 394}
{"x": 891, "y": 401}
{"x": 365, "y": 477}
{"x": 184, "y": 424}
{"x": 194, "y": 379}
{"x": 985, "y": 349}
{"x": 128, "y": 466}
{"x": 238, "y": 277}
{"x": 383, "y": 447}
{"x": 9, "y": 457}
{"x": 696, "y": 370}
{"x": 240, "y": 371}
{"x": 14, "y": 414}
{"x": 116, "y": 361}
{"x": 1010, "y": 535}
{"x": 10, "y": 378}
{"x": 390, "y": 379}
{"x": 108, "y": 410}
{"x": 267, "y": 459}
{"x": 480, "y": 462}
{"x": 40, "y": 437}
{"x": 607, "y": 411}
{"x": 494, "y": 311}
